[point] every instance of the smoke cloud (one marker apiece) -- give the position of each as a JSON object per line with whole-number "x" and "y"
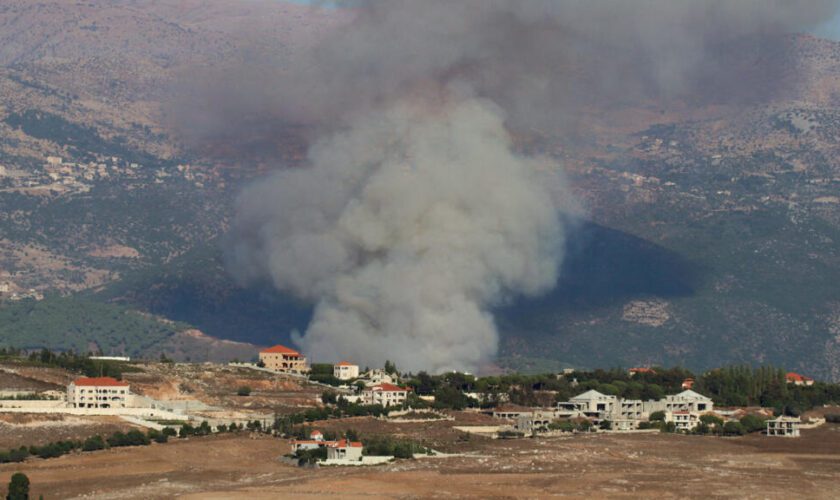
{"x": 415, "y": 216}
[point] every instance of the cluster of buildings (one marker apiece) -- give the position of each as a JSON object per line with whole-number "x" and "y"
{"x": 683, "y": 410}
{"x": 379, "y": 386}
{"x": 60, "y": 175}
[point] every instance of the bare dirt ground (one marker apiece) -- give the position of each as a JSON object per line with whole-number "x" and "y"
{"x": 595, "y": 466}
{"x": 25, "y": 429}
{"x": 217, "y": 385}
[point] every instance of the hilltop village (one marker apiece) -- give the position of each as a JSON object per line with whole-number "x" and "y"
{"x": 282, "y": 395}
{"x": 279, "y": 413}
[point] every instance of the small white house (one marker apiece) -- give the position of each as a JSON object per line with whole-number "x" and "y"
{"x": 344, "y": 450}
{"x": 345, "y": 371}
{"x": 784, "y": 426}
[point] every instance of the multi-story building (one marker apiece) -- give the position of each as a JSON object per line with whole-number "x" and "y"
{"x": 345, "y": 371}
{"x": 596, "y": 406}
{"x": 784, "y": 426}
{"x": 283, "y": 359}
{"x": 683, "y": 420}
{"x": 685, "y": 401}
{"x": 98, "y": 392}
{"x": 385, "y": 395}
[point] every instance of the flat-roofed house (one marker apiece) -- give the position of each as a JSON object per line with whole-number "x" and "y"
{"x": 784, "y": 426}
{"x": 683, "y": 420}
{"x": 385, "y": 395}
{"x": 344, "y": 449}
{"x": 98, "y": 392}
{"x": 345, "y": 371}
{"x": 283, "y": 359}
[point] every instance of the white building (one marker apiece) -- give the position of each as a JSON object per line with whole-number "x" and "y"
{"x": 377, "y": 376}
{"x": 594, "y": 404}
{"x": 384, "y": 394}
{"x": 346, "y": 371}
{"x": 98, "y": 392}
{"x": 784, "y": 426}
{"x": 316, "y": 440}
{"x": 683, "y": 420}
{"x": 686, "y": 401}
{"x": 344, "y": 450}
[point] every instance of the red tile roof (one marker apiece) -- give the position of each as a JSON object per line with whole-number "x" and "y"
{"x": 388, "y": 388}
{"x": 344, "y": 363}
{"x": 99, "y": 382}
{"x": 795, "y": 377}
{"x": 642, "y": 370}
{"x": 280, "y": 349}
{"x": 346, "y": 444}
{"x": 315, "y": 433}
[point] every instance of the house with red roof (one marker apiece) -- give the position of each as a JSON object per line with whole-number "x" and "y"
{"x": 316, "y": 440}
{"x": 283, "y": 359}
{"x": 384, "y": 394}
{"x": 344, "y": 449}
{"x": 640, "y": 370}
{"x": 797, "y": 379}
{"x": 98, "y": 392}
{"x": 345, "y": 371}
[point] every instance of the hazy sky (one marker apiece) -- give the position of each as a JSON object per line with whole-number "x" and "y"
{"x": 830, "y": 29}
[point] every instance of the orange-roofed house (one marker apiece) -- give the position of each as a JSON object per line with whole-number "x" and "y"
{"x": 345, "y": 371}
{"x": 97, "y": 392}
{"x": 797, "y": 379}
{"x": 385, "y": 395}
{"x": 283, "y": 359}
{"x": 344, "y": 450}
{"x": 636, "y": 371}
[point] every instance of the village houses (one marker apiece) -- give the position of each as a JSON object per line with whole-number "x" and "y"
{"x": 98, "y": 392}
{"x": 283, "y": 359}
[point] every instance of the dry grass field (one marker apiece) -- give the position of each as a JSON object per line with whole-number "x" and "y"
{"x": 595, "y": 466}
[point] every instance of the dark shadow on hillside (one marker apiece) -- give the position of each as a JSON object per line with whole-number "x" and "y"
{"x": 196, "y": 289}
{"x": 602, "y": 267}
{"x": 605, "y": 266}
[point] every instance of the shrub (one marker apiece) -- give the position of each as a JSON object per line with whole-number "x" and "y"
{"x": 833, "y": 418}
{"x": 18, "y": 487}
{"x": 94, "y": 443}
{"x": 752, "y": 423}
{"x": 734, "y": 429}
{"x": 657, "y": 416}
{"x": 243, "y": 391}
{"x": 711, "y": 420}
{"x": 169, "y": 431}
{"x": 668, "y": 427}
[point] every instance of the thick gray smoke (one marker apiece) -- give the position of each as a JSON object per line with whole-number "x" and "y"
{"x": 415, "y": 216}
{"x": 406, "y": 227}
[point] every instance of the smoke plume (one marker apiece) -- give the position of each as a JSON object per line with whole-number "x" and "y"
{"x": 415, "y": 216}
